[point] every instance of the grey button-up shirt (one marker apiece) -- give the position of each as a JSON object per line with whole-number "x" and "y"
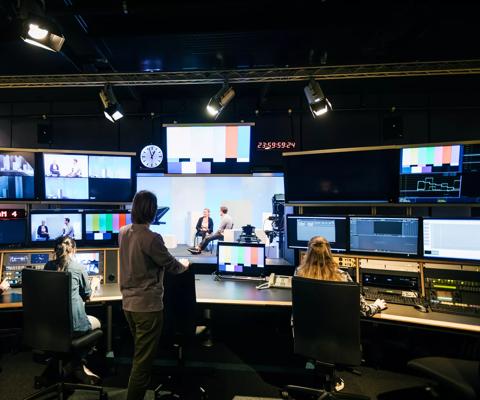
{"x": 143, "y": 261}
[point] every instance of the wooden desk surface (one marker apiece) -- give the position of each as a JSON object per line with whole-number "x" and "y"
{"x": 232, "y": 293}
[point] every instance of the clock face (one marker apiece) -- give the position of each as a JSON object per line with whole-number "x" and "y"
{"x": 151, "y": 156}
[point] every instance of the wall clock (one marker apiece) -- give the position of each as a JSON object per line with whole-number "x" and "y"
{"x": 151, "y": 156}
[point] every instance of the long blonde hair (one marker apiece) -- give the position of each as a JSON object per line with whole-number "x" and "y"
{"x": 64, "y": 250}
{"x": 318, "y": 263}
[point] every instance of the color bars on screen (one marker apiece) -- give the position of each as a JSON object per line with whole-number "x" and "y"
{"x": 237, "y": 259}
{"x": 422, "y": 159}
{"x": 101, "y": 226}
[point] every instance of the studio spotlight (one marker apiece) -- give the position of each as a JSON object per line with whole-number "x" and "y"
{"x": 112, "y": 109}
{"x": 37, "y": 28}
{"x": 219, "y": 101}
{"x": 317, "y": 101}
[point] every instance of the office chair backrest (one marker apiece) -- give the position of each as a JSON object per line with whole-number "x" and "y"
{"x": 326, "y": 320}
{"x": 47, "y": 310}
{"x": 179, "y": 301}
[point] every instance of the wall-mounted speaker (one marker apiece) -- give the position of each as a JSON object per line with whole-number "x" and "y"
{"x": 111, "y": 261}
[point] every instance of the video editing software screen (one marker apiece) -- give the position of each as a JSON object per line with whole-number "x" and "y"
{"x": 92, "y": 261}
{"x": 17, "y": 175}
{"x": 342, "y": 177}
{"x": 105, "y": 226}
{"x": 13, "y": 231}
{"x": 208, "y": 149}
{"x": 440, "y": 174}
{"x": 245, "y": 259}
{"x": 451, "y": 239}
{"x": 300, "y": 229}
{"x": 87, "y": 177}
{"x": 384, "y": 235}
{"x": 45, "y": 226}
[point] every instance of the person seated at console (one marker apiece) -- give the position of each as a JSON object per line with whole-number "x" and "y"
{"x": 42, "y": 232}
{"x": 64, "y": 251}
{"x": 204, "y": 224}
{"x": 225, "y": 223}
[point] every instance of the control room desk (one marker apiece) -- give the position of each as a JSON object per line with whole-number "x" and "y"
{"x": 233, "y": 293}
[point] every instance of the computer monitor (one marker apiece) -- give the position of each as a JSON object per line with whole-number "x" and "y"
{"x": 241, "y": 259}
{"x": 17, "y": 175}
{"x": 451, "y": 239}
{"x": 91, "y": 260}
{"x": 301, "y": 228}
{"x": 13, "y": 232}
{"x": 396, "y": 236}
{"x": 103, "y": 226}
{"x": 47, "y": 225}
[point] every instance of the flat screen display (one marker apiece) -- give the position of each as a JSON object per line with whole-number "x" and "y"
{"x": 91, "y": 261}
{"x": 359, "y": 176}
{"x": 301, "y": 228}
{"x": 13, "y": 232}
{"x": 242, "y": 259}
{"x": 17, "y": 175}
{"x": 208, "y": 149}
{"x": 104, "y": 226}
{"x": 47, "y": 226}
{"x": 87, "y": 177}
{"x": 384, "y": 235}
{"x": 456, "y": 239}
{"x": 440, "y": 174}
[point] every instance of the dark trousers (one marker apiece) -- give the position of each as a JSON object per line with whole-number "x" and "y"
{"x": 204, "y": 243}
{"x": 146, "y": 328}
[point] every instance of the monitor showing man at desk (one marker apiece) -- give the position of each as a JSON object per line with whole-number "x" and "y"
{"x": 384, "y": 235}
{"x": 241, "y": 259}
{"x": 300, "y": 229}
{"x": 451, "y": 239}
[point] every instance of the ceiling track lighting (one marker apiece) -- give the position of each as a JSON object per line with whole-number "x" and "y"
{"x": 318, "y": 103}
{"x": 37, "y": 29}
{"x": 113, "y": 111}
{"x": 220, "y": 100}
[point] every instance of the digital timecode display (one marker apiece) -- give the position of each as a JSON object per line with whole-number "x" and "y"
{"x": 280, "y": 145}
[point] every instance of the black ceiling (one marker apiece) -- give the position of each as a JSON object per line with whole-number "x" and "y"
{"x": 130, "y": 36}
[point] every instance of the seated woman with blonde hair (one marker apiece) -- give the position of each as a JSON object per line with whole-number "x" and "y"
{"x": 318, "y": 263}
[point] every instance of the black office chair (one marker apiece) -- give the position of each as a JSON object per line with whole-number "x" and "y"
{"x": 47, "y": 323}
{"x": 457, "y": 379}
{"x": 179, "y": 333}
{"x": 326, "y": 326}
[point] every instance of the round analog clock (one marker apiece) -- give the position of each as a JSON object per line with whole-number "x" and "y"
{"x": 151, "y": 156}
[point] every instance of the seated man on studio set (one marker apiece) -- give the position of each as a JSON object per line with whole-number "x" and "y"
{"x": 225, "y": 223}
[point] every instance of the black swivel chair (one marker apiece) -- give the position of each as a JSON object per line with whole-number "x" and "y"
{"x": 179, "y": 333}
{"x": 47, "y": 323}
{"x": 326, "y": 326}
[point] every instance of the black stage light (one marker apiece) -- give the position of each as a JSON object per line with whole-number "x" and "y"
{"x": 112, "y": 109}
{"x": 317, "y": 101}
{"x": 219, "y": 101}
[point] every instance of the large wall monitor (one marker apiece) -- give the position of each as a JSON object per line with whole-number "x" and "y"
{"x": 440, "y": 174}
{"x": 17, "y": 175}
{"x": 87, "y": 177}
{"x": 46, "y": 226}
{"x": 396, "y": 236}
{"x": 455, "y": 239}
{"x": 241, "y": 259}
{"x": 301, "y": 228}
{"x": 208, "y": 149}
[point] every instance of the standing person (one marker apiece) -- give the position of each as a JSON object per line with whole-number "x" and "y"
{"x": 143, "y": 261}
{"x": 204, "y": 224}
{"x": 225, "y": 223}
{"x": 68, "y": 229}
{"x": 64, "y": 250}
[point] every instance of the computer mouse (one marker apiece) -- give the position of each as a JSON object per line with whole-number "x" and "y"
{"x": 420, "y": 308}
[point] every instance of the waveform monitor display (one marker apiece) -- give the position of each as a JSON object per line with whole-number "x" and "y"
{"x": 105, "y": 226}
{"x": 208, "y": 149}
{"x": 300, "y": 229}
{"x": 247, "y": 259}
{"x": 439, "y": 174}
{"x": 384, "y": 235}
{"x": 452, "y": 239}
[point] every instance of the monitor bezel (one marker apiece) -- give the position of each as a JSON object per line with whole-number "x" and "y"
{"x": 241, "y": 244}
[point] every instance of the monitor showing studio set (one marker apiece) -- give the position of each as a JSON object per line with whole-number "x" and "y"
{"x": 17, "y": 175}
{"x": 208, "y": 149}
{"x": 87, "y": 177}
{"x": 47, "y": 225}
